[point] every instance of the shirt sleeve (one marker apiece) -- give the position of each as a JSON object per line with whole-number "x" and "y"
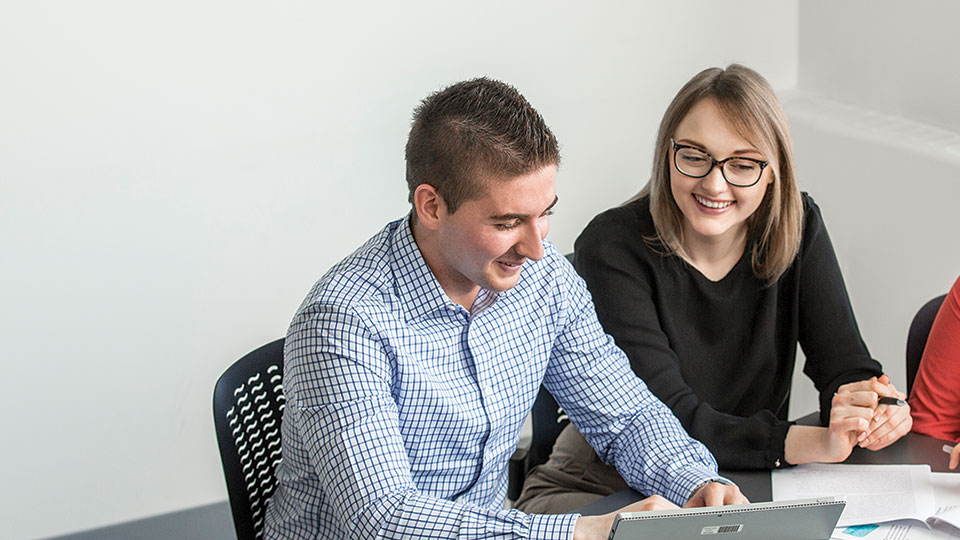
{"x": 608, "y": 259}
{"x": 615, "y": 411}
{"x": 339, "y": 380}
{"x": 935, "y": 397}
{"x": 835, "y": 351}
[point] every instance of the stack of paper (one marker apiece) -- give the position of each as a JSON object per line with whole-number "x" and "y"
{"x": 884, "y": 502}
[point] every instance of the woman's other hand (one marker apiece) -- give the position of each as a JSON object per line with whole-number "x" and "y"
{"x": 890, "y": 422}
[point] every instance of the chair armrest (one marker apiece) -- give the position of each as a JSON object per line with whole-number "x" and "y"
{"x": 517, "y": 472}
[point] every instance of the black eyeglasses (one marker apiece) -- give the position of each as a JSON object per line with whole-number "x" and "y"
{"x": 737, "y": 171}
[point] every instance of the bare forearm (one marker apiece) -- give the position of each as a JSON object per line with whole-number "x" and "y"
{"x": 804, "y": 444}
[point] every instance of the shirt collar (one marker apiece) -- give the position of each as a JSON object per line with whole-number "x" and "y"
{"x": 417, "y": 287}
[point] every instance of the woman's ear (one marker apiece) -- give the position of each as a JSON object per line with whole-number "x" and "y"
{"x": 429, "y": 206}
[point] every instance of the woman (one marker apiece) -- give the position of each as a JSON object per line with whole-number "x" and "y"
{"x": 708, "y": 279}
{"x": 935, "y": 396}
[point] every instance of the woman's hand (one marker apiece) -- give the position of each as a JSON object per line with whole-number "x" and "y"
{"x": 852, "y": 411}
{"x": 856, "y": 418}
{"x": 890, "y": 422}
{"x": 598, "y": 527}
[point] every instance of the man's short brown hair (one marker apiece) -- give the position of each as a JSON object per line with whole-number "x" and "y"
{"x": 472, "y": 130}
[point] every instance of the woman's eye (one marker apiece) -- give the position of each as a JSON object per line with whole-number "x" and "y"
{"x": 693, "y": 159}
{"x": 745, "y": 166}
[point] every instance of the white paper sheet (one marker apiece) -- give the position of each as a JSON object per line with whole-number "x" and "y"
{"x": 946, "y": 491}
{"x": 874, "y": 493}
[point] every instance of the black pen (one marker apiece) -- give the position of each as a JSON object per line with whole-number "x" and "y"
{"x": 888, "y": 400}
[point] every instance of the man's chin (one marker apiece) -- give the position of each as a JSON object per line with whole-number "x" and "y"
{"x": 502, "y": 283}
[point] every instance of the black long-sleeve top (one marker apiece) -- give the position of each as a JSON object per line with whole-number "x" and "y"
{"x": 721, "y": 354}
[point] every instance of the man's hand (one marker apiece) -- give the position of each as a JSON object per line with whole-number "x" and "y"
{"x": 712, "y": 494}
{"x": 598, "y": 527}
{"x": 955, "y": 456}
{"x": 716, "y": 494}
{"x": 890, "y": 422}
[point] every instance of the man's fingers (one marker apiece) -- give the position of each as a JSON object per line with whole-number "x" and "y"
{"x": 734, "y": 496}
{"x": 654, "y": 502}
{"x": 716, "y": 494}
{"x": 713, "y": 496}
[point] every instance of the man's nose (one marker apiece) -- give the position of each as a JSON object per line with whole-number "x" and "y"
{"x": 531, "y": 244}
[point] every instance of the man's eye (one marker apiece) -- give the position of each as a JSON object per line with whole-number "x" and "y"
{"x": 508, "y": 226}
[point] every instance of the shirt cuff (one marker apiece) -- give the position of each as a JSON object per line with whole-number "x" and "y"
{"x": 777, "y": 446}
{"x": 551, "y": 526}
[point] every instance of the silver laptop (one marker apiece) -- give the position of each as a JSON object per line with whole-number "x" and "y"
{"x": 801, "y": 519}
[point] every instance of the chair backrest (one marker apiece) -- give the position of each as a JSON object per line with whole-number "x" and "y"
{"x": 247, "y": 409}
{"x": 917, "y": 336}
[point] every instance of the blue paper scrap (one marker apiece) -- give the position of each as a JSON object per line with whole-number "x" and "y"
{"x": 860, "y": 531}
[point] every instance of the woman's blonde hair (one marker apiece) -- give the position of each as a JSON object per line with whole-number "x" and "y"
{"x": 748, "y": 102}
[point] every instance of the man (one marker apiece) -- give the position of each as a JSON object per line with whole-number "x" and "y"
{"x": 412, "y": 363}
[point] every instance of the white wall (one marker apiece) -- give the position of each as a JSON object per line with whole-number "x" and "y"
{"x": 890, "y": 56}
{"x": 175, "y": 175}
{"x": 877, "y": 135}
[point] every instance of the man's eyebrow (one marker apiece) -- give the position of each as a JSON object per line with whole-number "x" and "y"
{"x": 554, "y": 203}
{"x": 507, "y": 217}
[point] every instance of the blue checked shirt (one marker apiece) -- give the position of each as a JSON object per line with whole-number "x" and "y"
{"x": 403, "y": 408}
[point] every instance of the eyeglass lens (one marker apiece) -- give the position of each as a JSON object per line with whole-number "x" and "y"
{"x": 737, "y": 171}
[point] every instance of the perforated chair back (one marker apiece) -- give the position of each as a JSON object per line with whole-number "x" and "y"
{"x": 247, "y": 409}
{"x": 917, "y": 336}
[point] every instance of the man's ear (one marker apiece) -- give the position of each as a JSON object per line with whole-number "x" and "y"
{"x": 429, "y": 206}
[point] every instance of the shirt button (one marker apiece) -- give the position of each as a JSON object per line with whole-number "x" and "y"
{"x": 777, "y": 463}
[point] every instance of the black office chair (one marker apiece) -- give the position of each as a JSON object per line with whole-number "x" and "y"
{"x": 547, "y": 421}
{"x": 917, "y": 336}
{"x": 247, "y": 408}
